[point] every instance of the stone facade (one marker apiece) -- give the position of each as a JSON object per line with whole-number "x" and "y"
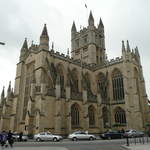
{"x": 84, "y": 92}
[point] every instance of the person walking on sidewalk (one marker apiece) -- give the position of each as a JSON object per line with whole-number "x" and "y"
{"x": 10, "y": 138}
{"x": 3, "y": 139}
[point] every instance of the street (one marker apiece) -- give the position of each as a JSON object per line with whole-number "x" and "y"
{"x": 71, "y": 145}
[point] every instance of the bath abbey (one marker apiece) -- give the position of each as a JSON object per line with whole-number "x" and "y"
{"x": 85, "y": 91}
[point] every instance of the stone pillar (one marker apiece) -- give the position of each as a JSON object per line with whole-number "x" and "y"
{"x": 32, "y": 89}
{"x": 85, "y": 112}
{"x": 68, "y": 117}
{"x": 68, "y": 92}
{"x": 99, "y": 112}
{"x": 58, "y": 117}
{"x": 43, "y": 88}
{"x": 58, "y": 90}
{"x": 37, "y": 122}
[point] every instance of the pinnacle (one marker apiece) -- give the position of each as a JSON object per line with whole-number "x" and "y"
{"x": 25, "y": 44}
{"x": 123, "y": 46}
{"x": 128, "y": 46}
{"x": 73, "y": 27}
{"x": 101, "y": 23}
{"x": 91, "y": 19}
{"x": 44, "y": 32}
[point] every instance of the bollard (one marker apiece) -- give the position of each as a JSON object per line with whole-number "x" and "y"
{"x": 127, "y": 141}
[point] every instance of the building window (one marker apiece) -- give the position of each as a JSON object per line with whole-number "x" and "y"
{"x": 91, "y": 116}
{"x": 75, "y": 115}
{"x": 105, "y": 117}
{"x": 102, "y": 85}
{"x": 120, "y": 116}
{"x": 118, "y": 86}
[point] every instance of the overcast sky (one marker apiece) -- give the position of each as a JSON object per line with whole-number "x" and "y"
{"x": 123, "y": 20}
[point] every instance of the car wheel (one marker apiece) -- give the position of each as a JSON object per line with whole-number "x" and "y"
{"x": 74, "y": 139}
{"x": 38, "y": 139}
{"x": 55, "y": 139}
{"x": 91, "y": 138}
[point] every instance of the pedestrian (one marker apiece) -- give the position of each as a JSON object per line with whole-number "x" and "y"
{"x": 3, "y": 139}
{"x": 10, "y": 138}
{"x": 122, "y": 130}
{"x": 20, "y": 136}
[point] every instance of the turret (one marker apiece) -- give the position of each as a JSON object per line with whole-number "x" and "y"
{"x": 73, "y": 30}
{"x": 44, "y": 39}
{"x": 128, "y": 47}
{"x": 123, "y": 50}
{"x": 3, "y": 93}
{"x": 91, "y": 19}
{"x": 101, "y": 26}
{"x": 24, "y": 49}
{"x": 9, "y": 90}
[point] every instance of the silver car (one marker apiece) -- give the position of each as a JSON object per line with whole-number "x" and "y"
{"x": 47, "y": 136}
{"x": 133, "y": 133}
{"x": 81, "y": 135}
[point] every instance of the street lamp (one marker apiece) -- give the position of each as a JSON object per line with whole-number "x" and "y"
{"x": 2, "y": 43}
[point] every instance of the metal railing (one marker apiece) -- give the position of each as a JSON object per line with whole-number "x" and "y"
{"x": 137, "y": 140}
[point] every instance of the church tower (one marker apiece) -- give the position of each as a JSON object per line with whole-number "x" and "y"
{"x": 89, "y": 43}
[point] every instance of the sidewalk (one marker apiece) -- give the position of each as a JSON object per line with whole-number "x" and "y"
{"x": 137, "y": 147}
{"x": 36, "y": 148}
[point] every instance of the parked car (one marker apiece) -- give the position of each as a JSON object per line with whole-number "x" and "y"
{"x": 16, "y": 137}
{"x": 81, "y": 135}
{"x": 111, "y": 135}
{"x": 133, "y": 133}
{"x": 47, "y": 136}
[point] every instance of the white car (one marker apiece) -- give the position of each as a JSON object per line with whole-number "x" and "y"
{"x": 81, "y": 135}
{"x": 47, "y": 136}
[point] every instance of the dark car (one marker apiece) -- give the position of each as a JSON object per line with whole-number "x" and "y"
{"x": 112, "y": 135}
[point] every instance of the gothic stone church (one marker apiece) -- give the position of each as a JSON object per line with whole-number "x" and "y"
{"x": 86, "y": 91}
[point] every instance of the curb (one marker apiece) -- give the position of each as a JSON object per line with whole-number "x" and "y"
{"x": 125, "y": 147}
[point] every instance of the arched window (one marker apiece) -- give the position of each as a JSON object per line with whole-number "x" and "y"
{"x": 120, "y": 116}
{"x": 91, "y": 113}
{"x": 118, "y": 86}
{"x": 60, "y": 72}
{"x": 105, "y": 117}
{"x": 102, "y": 87}
{"x": 74, "y": 87}
{"x": 75, "y": 115}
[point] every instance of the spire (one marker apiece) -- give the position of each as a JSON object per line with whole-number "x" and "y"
{"x": 25, "y": 44}
{"x": 68, "y": 52}
{"x": 44, "y": 39}
{"x": 73, "y": 29}
{"x": 128, "y": 46}
{"x": 44, "y": 32}
{"x": 123, "y": 47}
{"x": 91, "y": 19}
{"x": 3, "y": 93}
{"x": 52, "y": 45}
{"x": 137, "y": 51}
{"x": 9, "y": 87}
{"x": 100, "y": 24}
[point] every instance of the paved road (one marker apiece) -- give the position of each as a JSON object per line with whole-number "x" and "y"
{"x": 70, "y": 145}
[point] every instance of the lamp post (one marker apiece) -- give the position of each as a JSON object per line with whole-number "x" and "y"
{"x": 2, "y": 43}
